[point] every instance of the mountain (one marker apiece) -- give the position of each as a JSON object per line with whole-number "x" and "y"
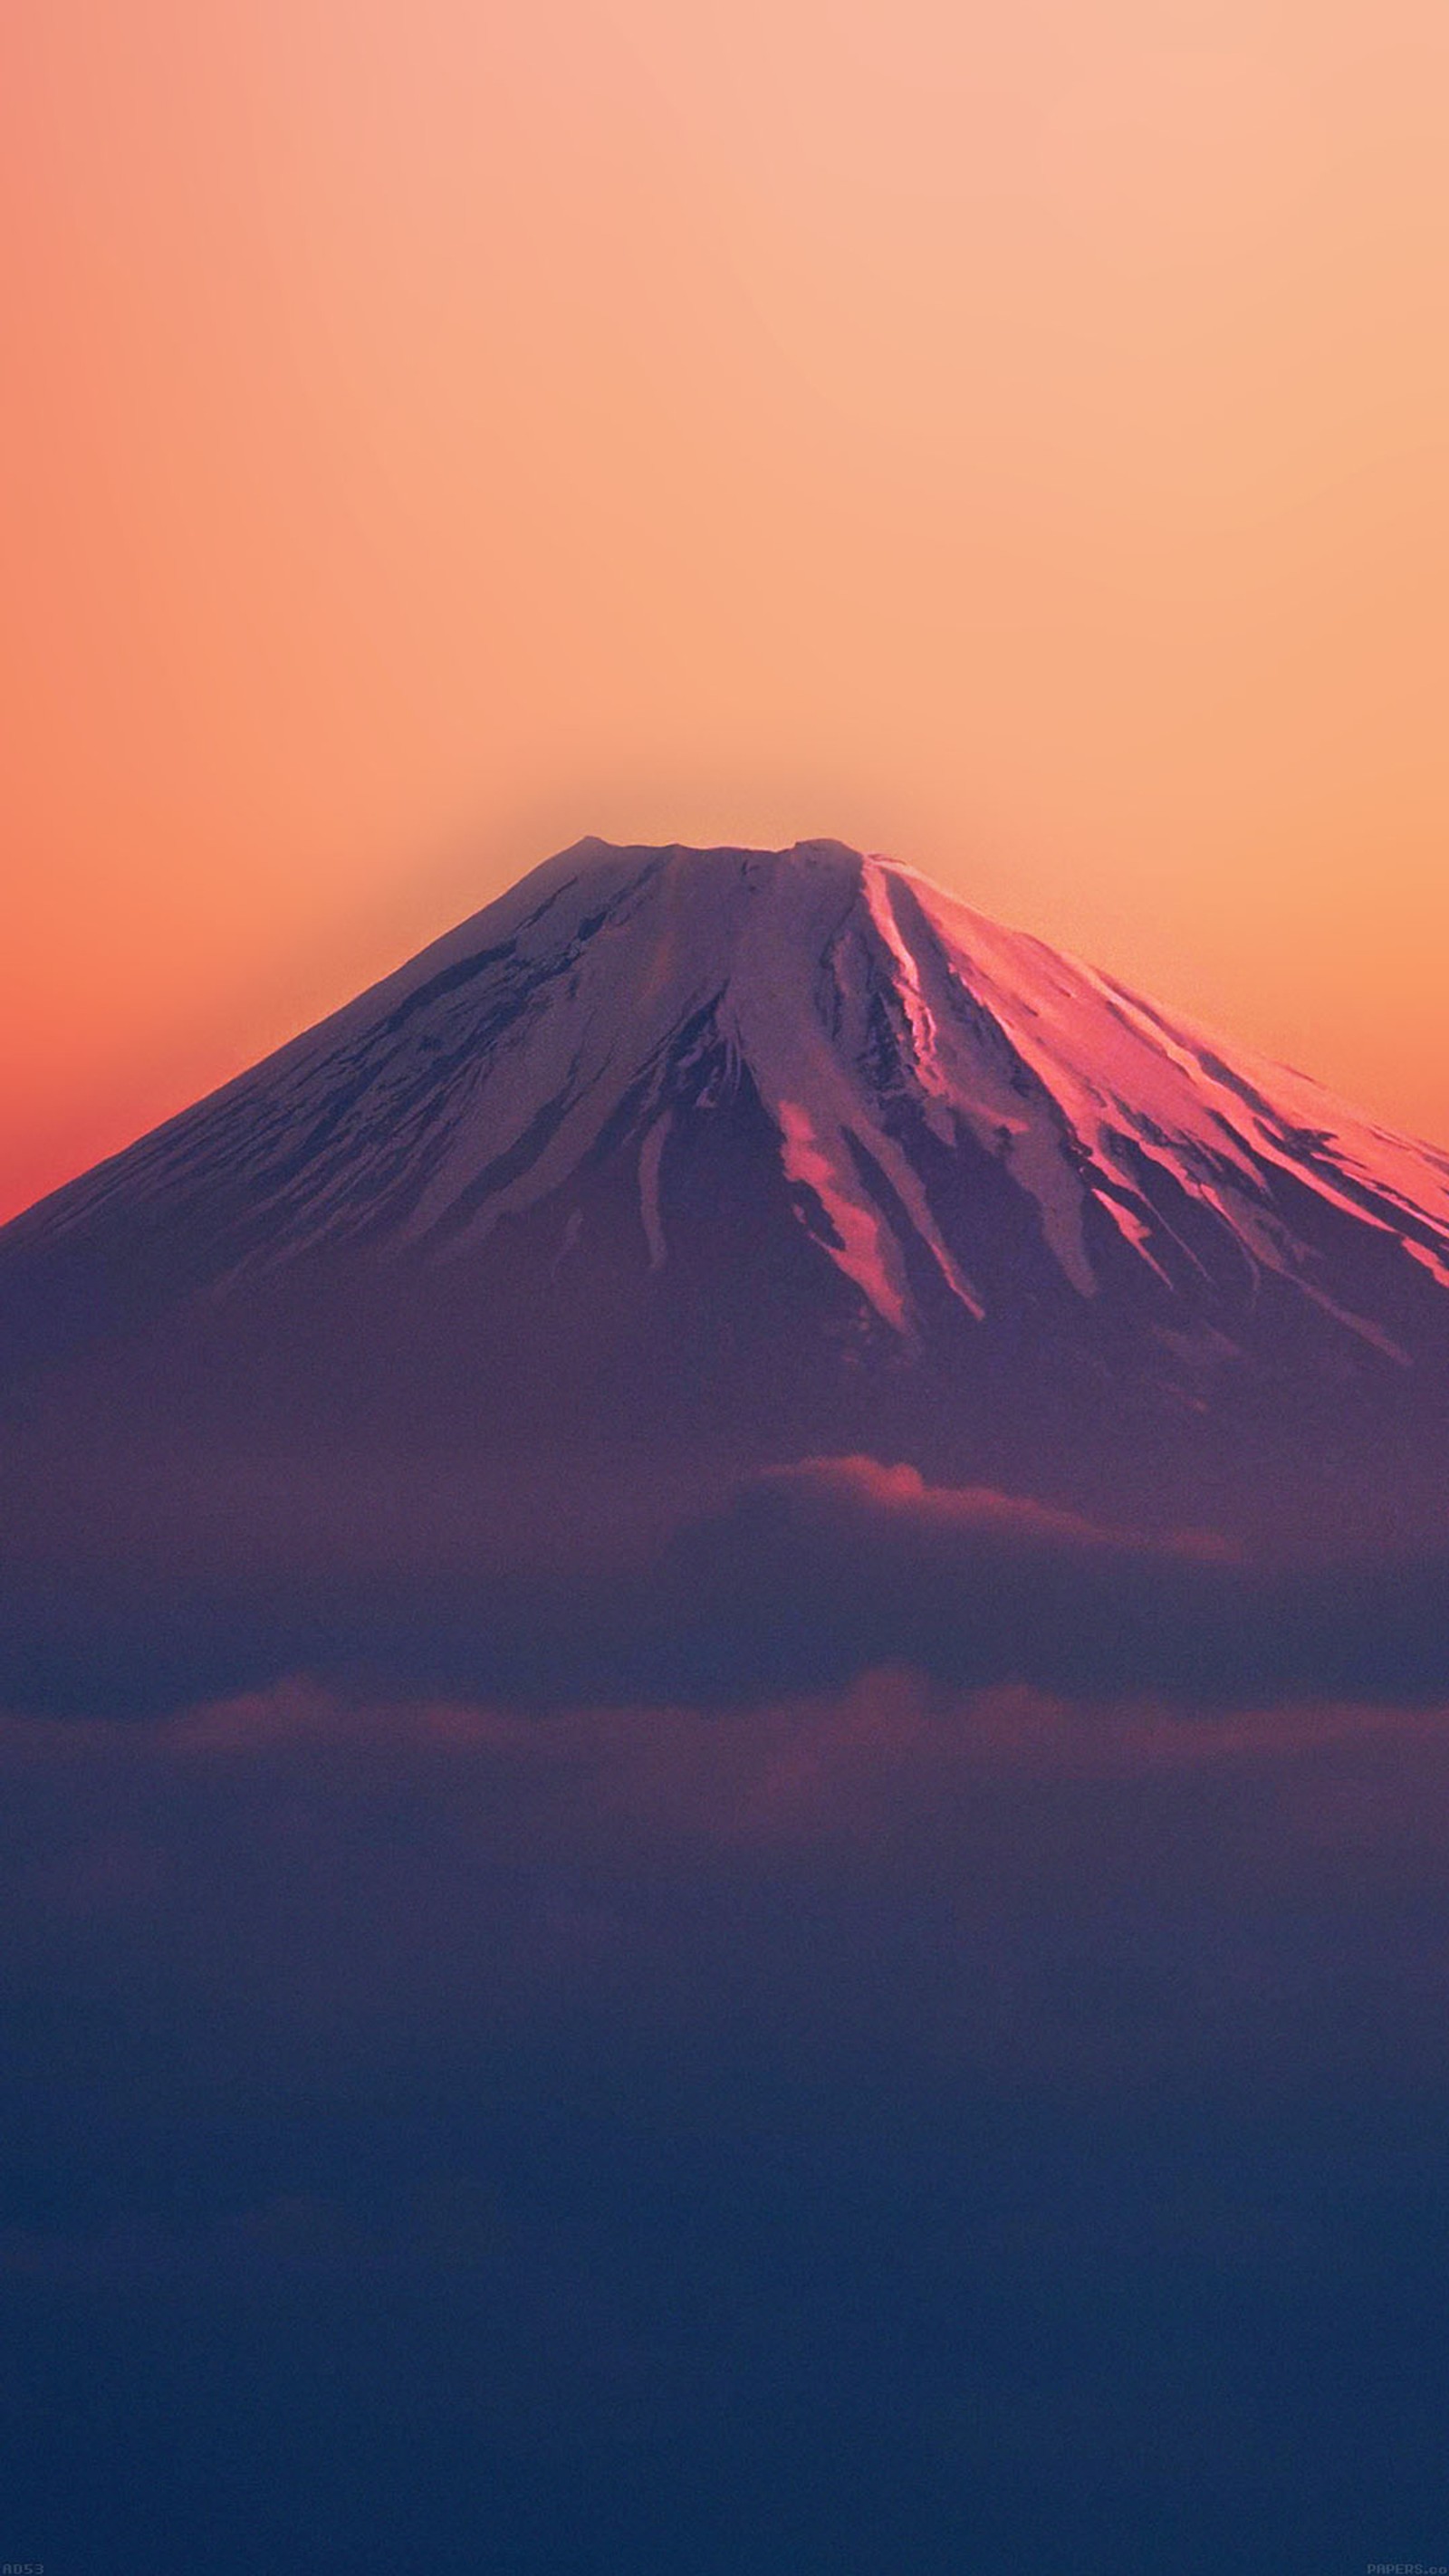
{"x": 673, "y": 1163}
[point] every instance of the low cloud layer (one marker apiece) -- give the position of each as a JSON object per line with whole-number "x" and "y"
{"x": 887, "y": 2027}
{"x": 799, "y": 1579}
{"x": 305, "y": 1879}
{"x": 891, "y": 2128}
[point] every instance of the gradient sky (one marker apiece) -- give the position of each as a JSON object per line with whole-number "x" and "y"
{"x": 1014, "y": 439}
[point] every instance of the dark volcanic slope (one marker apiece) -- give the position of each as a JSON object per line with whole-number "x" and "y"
{"x": 675, "y": 1159}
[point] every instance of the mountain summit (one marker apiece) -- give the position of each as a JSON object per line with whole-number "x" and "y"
{"x": 760, "y": 1152}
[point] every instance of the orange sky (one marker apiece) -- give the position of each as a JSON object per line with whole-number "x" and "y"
{"x": 1016, "y": 438}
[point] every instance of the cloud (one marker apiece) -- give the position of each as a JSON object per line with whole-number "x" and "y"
{"x": 808, "y": 1575}
{"x": 798, "y": 1579}
{"x": 425, "y": 2104}
{"x": 322, "y": 1881}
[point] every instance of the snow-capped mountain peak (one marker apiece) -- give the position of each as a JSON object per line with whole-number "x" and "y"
{"x": 908, "y": 1054}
